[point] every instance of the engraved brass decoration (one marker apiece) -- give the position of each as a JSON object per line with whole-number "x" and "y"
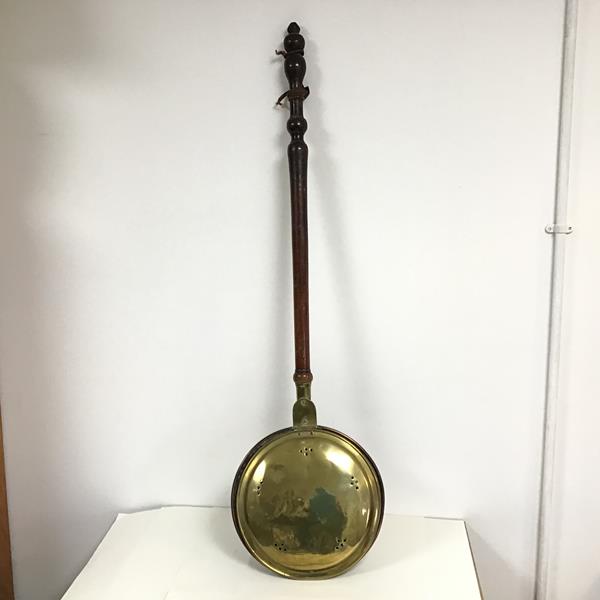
{"x": 308, "y": 502}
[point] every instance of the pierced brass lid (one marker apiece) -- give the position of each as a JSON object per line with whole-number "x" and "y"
{"x": 308, "y": 503}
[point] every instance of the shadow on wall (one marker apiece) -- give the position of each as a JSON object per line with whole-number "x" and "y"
{"x": 323, "y": 170}
{"x": 594, "y": 592}
{"x": 39, "y": 43}
{"x": 491, "y": 567}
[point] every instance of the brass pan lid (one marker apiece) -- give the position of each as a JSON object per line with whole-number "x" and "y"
{"x": 307, "y": 503}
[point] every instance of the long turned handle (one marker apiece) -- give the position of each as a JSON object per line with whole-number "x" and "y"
{"x": 295, "y": 68}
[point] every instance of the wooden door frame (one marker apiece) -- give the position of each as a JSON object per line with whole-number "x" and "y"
{"x": 6, "y": 578}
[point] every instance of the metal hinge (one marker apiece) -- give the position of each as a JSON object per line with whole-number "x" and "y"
{"x": 556, "y": 228}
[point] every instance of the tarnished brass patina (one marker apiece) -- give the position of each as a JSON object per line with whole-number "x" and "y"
{"x": 307, "y": 501}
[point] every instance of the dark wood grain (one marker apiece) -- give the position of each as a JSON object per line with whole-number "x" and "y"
{"x": 6, "y": 580}
{"x": 295, "y": 69}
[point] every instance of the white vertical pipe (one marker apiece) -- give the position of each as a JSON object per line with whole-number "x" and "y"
{"x": 543, "y": 574}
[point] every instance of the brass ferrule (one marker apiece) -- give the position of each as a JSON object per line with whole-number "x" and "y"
{"x": 303, "y": 391}
{"x": 304, "y": 413}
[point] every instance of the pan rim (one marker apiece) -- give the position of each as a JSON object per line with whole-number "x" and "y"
{"x": 238, "y": 478}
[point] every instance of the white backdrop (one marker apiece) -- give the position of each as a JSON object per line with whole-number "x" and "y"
{"x": 145, "y": 340}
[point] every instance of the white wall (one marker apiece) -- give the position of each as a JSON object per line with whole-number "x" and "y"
{"x": 145, "y": 340}
{"x": 575, "y": 522}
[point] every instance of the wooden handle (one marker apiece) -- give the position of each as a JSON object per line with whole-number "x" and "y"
{"x": 295, "y": 68}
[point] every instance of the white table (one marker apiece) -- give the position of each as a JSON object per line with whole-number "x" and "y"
{"x": 188, "y": 553}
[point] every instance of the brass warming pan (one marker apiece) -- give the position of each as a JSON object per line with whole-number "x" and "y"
{"x": 307, "y": 501}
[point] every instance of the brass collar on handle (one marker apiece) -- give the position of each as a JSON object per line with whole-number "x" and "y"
{"x": 304, "y": 413}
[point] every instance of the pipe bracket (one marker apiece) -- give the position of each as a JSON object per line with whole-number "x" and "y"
{"x": 556, "y": 228}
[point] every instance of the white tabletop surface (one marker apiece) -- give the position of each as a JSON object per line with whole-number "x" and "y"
{"x": 187, "y": 553}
